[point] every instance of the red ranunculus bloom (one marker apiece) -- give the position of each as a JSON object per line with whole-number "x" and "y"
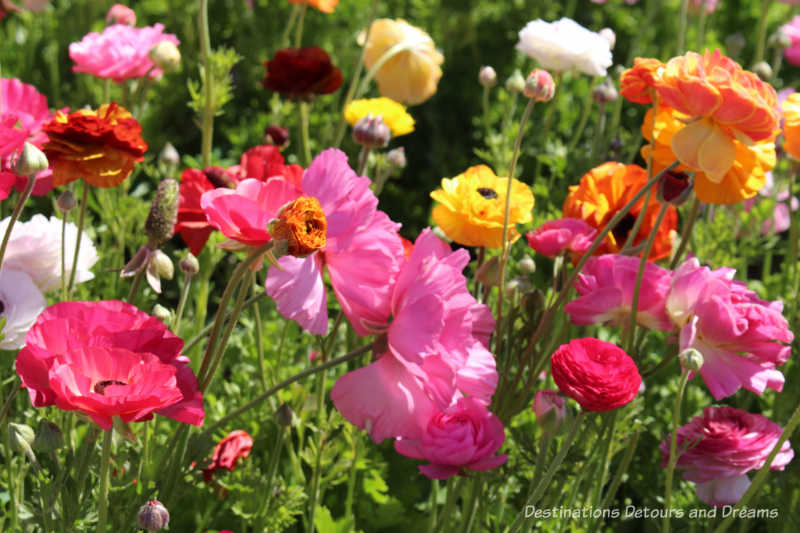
{"x": 302, "y": 72}
{"x": 108, "y": 359}
{"x": 236, "y": 445}
{"x": 598, "y": 375}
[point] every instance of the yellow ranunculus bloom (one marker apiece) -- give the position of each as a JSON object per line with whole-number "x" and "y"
{"x": 411, "y": 74}
{"x": 791, "y": 125}
{"x": 472, "y": 207}
{"x": 394, "y": 115}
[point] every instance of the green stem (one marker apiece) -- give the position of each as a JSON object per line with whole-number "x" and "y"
{"x": 317, "y": 474}
{"x": 191, "y": 343}
{"x": 305, "y": 142}
{"x": 646, "y": 204}
{"x": 289, "y": 25}
{"x": 434, "y": 506}
{"x": 187, "y": 283}
{"x": 63, "y": 256}
{"x": 387, "y": 55}
{"x": 351, "y": 480}
{"x": 207, "y": 126}
{"x": 485, "y": 109}
{"x": 673, "y": 448}
{"x": 701, "y": 26}
{"x": 762, "y": 32}
{"x": 7, "y": 404}
{"x": 608, "y": 452}
{"x": 623, "y": 467}
{"x": 363, "y": 157}
{"x": 686, "y": 233}
{"x": 102, "y": 496}
{"x": 682, "y": 19}
{"x": 600, "y": 131}
{"x": 472, "y": 505}
{"x": 15, "y": 215}
{"x": 298, "y": 36}
{"x": 453, "y": 488}
{"x": 262, "y": 371}
{"x": 137, "y": 280}
{"x": 587, "y": 110}
{"x": 81, "y": 223}
{"x": 274, "y": 459}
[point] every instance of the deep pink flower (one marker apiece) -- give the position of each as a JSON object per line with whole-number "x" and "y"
{"x": 792, "y": 29}
{"x": 565, "y": 234}
{"x": 108, "y": 359}
{"x": 464, "y": 436}
{"x": 436, "y": 349}
{"x": 548, "y": 400}
{"x": 742, "y": 338}
{"x": 723, "y": 445}
{"x": 236, "y": 445}
{"x": 606, "y": 285}
{"x": 120, "y": 52}
{"x": 120, "y": 14}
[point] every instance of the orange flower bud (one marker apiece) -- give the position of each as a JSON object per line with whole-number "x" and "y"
{"x": 302, "y": 225}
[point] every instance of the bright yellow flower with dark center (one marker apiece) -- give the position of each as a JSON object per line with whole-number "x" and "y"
{"x": 302, "y": 224}
{"x": 394, "y": 114}
{"x": 472, "y": 207}
{"x": 742, "y": 180}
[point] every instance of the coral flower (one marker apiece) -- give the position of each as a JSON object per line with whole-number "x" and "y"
{"x": 603, "y": 191}
{"x": 472, "y": 207}
{"x": 236, "y": 445}
{"x": 412, "y": 74}
{"x": 791, "y": 125}
{"x": 741, "y": 181}
{"x": 718, "y": 448}
{"x": 723, "y": 102}
{"x": 393, "y": 114}
{"x": 99, "y": 146}
{"x": 119, "y": 53}
{"x": 108, "y": 359}
{"x": 301, "y": 73}
{"x": 326, "y": 6}
{"x": 637, "y": 84}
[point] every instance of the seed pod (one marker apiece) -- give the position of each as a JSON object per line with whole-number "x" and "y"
{"x": 160, "y": 222}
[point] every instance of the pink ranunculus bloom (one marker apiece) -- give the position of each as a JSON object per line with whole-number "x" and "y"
{"x": 108, "y": 359}
{"x": 464, "y": 436}
{"x": 549, "y": 401}
{"x": 120, "y": 14}
{"x": 120, "y": 52}
{"x": 792, "y": 29}
{"x": 436, "y": 349}
{"x": 723, "y": 445}
{"x": 742, "y": 338}
{"x": 562, "y": 235}
{"x": 363, "y": 253}
{"x": 606, "y": 285}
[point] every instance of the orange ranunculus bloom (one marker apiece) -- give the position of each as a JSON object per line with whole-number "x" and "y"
{"x": 743, "y": 179}
{"x": 603, "y": 191}
{"x": 637, "y": 84}
{"x": 302, "y": 224}
{"x": 99, "y": 146}
{"x": 412, "y": 74}
{"x": 326, "y": 6}
{"x": 791, "y": 125}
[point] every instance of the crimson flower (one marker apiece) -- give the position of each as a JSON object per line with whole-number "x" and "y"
{"x": 236, "y": 445}
{"x": 301, "y": 73}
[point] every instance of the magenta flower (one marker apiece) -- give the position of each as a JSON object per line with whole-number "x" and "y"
{"x": 464, "y": 436}
{"x": 108, "y": 359}
{"x": 436, "y": 349}
{"x": 792, "y": 29}
{"x": 605, "y": 287}
{"x": 562, "y": 235}
{"x": 742, "y": 338}
{"x": 723, "y": 445}
{"x": 120, "y": 52}
{"x": 547, "y": 401}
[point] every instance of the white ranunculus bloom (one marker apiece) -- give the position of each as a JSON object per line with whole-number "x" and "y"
{"x": 35, "y": 248}
{"x": 20, "y": 304}
{"x": 565, "y": 44}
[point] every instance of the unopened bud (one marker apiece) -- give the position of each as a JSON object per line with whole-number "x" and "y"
{"x": 550, "y": 408}
{"x": 169, "y": 155}
{"x": 163, "y": 264}
{"x": 487, "y": 76}
{"x": 21, "y": 437}
{"x": 153, "y": 516}
{"x": 515, "y": 83}
{"x": 763, "y": 70}
{"x": 163, "y": 314}
{"x": 539, "y": 86}
{"x": 691, "y": 359}
{"x": 277, "y": 136}
{"x": 120, "y": 14}
{"x": 189, "y": 265}
{"x": 734, "y": 44}
{"x": 605, "y": 93}
{"x": 397, "y": 157}
{"x": 780, "y": 39}
{"x": 489, "y": 272}
{"x": 163, "y": 213}
{"x": 372, "y": 132}
{"x": 284, "y": 415}
{"x": 66, "y": 201}
{"x": 609, "y": 35}
{"x": 165, "y": 56}
{"x": 302, "y": 225}
{"x": 31, "y": 161}
{"x": 48, "y": 437}
{"x": 527, "y": 265}
{"x": 520, "y": 285}
{"x": 219, "y": 177}
{"x": 674, "y": 188}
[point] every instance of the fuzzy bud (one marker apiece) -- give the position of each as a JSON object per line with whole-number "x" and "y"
{"x": 372, "y": 132}
{"x": 21, "y": 437}
{"x": 163, "y": 314}
{"x": 163, "y": 213}
{"x": 515, "y": 83}
{"x": 487, "y": 77}
{"x": 489, "y": 272}
{"x": 284, "y": 415}
{"x": 31, "y": 161}
{"x": 189, "y": 265}
{"x": 763, "y": 70}
{"x": 163, "y": 264}
{"x": 397, "y": 157}
{"x": 674, "y": 188}
{"x": 605, "y": 93}
{"x": 539, "y": 86}
{"x": 277, "y": 136}
{"x": 734, "y": 44}
{"x": 169, "y": 155}
{"x": 780, "y": 39}
{"x": 527, "y": 265}
{"x": 691, "y": 359}
{"x": 165, "y": 55}
{"x": 48, "y": 438}
{"x": 153, "y": 516}
{"x": 66, "y": 201}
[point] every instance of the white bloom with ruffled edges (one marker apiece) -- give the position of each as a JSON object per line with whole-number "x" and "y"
{"x": 20, "y": 304}
{"x": 565, "y": 44}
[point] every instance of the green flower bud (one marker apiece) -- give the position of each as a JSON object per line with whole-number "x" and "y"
{"x": 48, "y": 437}
{"x": 160, "y": 222}
{"x": 691, "y": 359}
{"x": 31, "y": 161}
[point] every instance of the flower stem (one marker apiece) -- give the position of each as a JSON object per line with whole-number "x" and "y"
{"x": 81, "y": 223}
{"x": 102, "y": 496}
{"x": 289, "y": 25}
{"x": 63, "y": 256}
{"x": 762, "y": 32}
{"x": 207, "y": 126}
{"x": 701, "y": 26}
{"x": 317, "y": 474}
{"x": 673, "y": 448}
{"x": 191, "y": 343}
{"x": 434, "y": 506}
{"x": 686, "y": 234}
{"x": 623, "y": 467}
{"x": 304, "y": 137}
{"x": 587, "y": 110}
{"x": 298, "y": 36}
{"x": 259, "y": 333}
{"x": 15, "y": 216}
{"x": 137, "y": 280}
{"x": 387, "y": 55}
{"x": 600, "y": 132}
{"x": 187, "y": 283}
{"x": 640, "y": 219}
{"x": 682, "y": 19}
{"x": 363, "y": 157}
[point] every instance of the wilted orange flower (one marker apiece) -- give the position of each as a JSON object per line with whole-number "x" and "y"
{"x": 742, "y": 180}
{"x": 326, "y": 6}
{"x": 302, "y": 224}
{"x": 637, "y": 84}
{"x": 99, "y": 146}
{"x": 412, "y": 74}
{"x": 603, "y": 191}
{"x": 723, "y": 102}
{"x": 791, "y": 125}
{"x": 472, "y": 207}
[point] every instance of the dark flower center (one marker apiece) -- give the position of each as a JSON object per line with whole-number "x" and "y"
{"x": 100, "y": 386}
{"x": 487, "y": 193}
{"x": 2, "y": 307}
{"x": 624, "y": 227}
